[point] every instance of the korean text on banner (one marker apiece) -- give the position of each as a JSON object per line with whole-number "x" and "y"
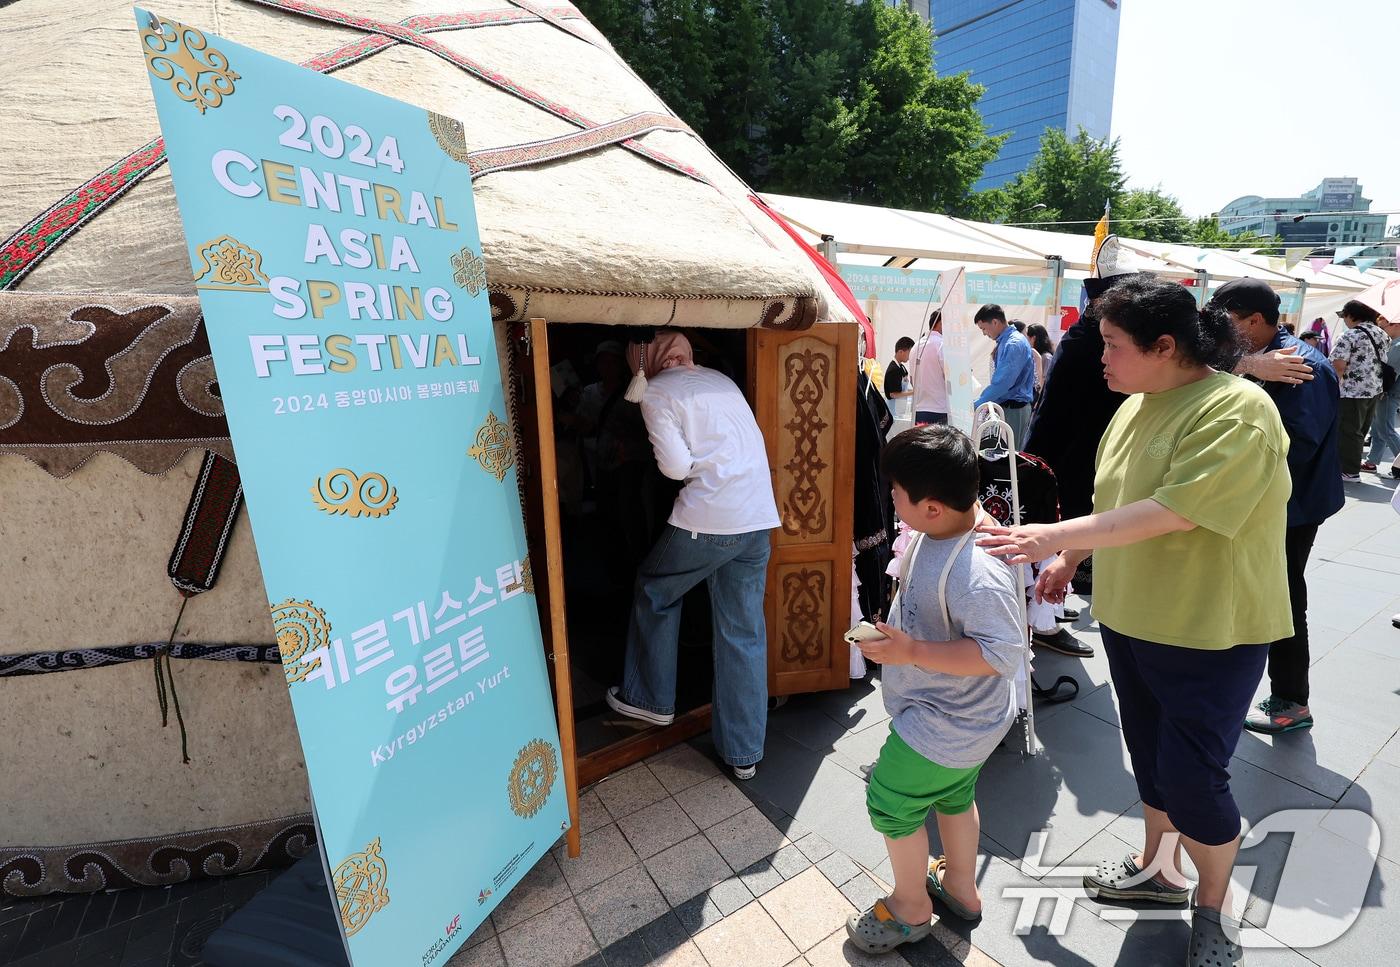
{"x": 334, "y": 246}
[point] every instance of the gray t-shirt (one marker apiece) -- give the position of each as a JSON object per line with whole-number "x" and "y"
{"x": 954, "y": 720}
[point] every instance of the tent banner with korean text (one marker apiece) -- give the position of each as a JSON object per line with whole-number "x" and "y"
{"x": 898, "y": 302}
{"x": 334, "y": 246}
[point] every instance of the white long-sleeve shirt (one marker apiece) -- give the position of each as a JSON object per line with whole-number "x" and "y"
{"x": 704, "y": 433}
{"x": 926, "y": 365}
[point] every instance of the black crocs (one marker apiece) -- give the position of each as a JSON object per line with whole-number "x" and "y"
{"x": 1214, "y": 940}
{"x": 1124, "y": 880}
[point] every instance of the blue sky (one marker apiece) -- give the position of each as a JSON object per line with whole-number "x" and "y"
{"x": 1220, "y": 98}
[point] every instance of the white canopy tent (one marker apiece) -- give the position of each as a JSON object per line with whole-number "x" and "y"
{"x": 864, "y": 235}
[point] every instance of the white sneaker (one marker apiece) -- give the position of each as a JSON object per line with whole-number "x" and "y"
{"x": 745, "y": 772}
{"x": 616, "y": 703}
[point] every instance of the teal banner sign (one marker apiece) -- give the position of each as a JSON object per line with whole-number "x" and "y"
{"x": 1289, "y": 300}
{"x": 1009, "y": 290}
{"x": 334, "y": 246}
{"x": 896, "y": 285}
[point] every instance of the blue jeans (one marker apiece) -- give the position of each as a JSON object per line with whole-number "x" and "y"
{"x": 736, "y": 569}
{"x": 1385, "y": 440}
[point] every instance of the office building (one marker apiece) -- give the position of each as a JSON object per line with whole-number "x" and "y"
{"x": 1275, "y": 216}
{"x": 1044, "y": 63}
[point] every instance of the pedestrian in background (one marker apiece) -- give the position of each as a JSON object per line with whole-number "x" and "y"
{"x": 1310, "y": 412}
{"x": 1385, "y": 440}
{"x": 1013, "y": 370}
{"x": 1357, "y": 358}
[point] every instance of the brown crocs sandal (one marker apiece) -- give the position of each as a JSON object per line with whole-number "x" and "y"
{"x": 1124, "y": 880}
{"x": 878, "y": 931}
{"x": 940, "y": 893}
{"x": 1214, "y": 940}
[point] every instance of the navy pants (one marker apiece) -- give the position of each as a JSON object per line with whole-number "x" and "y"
{"x": 1182, "y": 711}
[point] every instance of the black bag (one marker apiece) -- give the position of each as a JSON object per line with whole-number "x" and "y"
{"x": 1388, "y": 374}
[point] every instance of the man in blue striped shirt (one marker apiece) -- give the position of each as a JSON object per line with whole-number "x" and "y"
{"x": 1013, "y": 370}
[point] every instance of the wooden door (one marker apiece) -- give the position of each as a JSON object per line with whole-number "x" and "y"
{"x": 533, "y": 405}
{"x": 803, "y": 389}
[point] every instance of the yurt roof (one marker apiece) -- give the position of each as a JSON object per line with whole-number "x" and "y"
{"x": 624, "y": 216}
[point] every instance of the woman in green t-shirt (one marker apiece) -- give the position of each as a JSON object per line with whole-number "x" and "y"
{"x": 1190, "y": 506}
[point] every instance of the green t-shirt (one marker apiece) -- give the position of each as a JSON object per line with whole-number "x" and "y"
{"x": 1213, "y": 451}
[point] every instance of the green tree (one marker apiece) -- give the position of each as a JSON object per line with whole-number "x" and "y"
{"x": 1072, "y": 179}
{"x": 738, "y": 111}
{"x": 1149, "y": 214}
{"x": 901, "y": 136}
{"x": 1207, "y": 233}
{"x": 817, "y": 97}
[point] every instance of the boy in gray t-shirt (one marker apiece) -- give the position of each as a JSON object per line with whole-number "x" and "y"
{"x": 952, "y": 649}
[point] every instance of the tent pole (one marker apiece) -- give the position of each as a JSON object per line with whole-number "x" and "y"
{"x": 1203, "y": 281}
{"x": 1056, "y": 265}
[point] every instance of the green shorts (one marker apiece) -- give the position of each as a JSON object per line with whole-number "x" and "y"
{"x": 904, "y": 786}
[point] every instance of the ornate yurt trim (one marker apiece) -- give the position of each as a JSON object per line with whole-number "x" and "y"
{"x": 209, "y": 519}
{"x": 32, "y": 242}
{"x": 125, "y": 375}
{"x": 46, "y": 662}
{"x": 490, "y": 160}
{"x": 791, "y": 312}
{"x": 422, "y": 41}
{"x": 33, "y": 871}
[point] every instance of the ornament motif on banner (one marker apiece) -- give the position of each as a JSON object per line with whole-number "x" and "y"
{"x": 227, "y": 264}
{"x": 181, "y": 55}
{"x": 301, "y": 628}
{"x": 342, "y": 492}
{"x": 450, "y": 135}
{"x": 361, "y": 886}
{"x": 494, "y": 449}
{"x": 531, "y": 779}
{"x": 469, "y": 271}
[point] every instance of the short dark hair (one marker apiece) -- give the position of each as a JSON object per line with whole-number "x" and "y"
{"x": 1359, "y": 311}
{"x": 1147, "y": 308}
{"x": 935, "y": 318}
{"x": 935, "y": 462}
{"x": 1019, "y": 326}
{"x": 989, "y": 312}
{"x": 1309, "y": 336}
{"x": 904, "y": 343}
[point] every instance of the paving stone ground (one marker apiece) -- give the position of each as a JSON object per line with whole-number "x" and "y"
{"x": 684, "y": 867}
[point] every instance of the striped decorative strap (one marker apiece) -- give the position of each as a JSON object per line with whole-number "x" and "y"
{"x": 33, "y": 241}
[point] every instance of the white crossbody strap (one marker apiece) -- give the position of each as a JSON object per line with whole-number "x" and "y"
{"x": 907, "y": 564}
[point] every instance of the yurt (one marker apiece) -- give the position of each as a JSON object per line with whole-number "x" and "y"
{"x": 149, "y": 735}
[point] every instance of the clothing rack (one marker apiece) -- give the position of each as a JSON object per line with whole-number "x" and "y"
{"x": 989, "y": 417}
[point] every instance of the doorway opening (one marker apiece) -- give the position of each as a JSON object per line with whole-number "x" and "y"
{"x": 613, "y": 504}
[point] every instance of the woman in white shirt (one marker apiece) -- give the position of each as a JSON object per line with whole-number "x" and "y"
{"x": 703, "y": 433}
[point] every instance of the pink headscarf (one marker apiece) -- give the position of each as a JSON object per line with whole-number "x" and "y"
{"x": 669, "y": 348}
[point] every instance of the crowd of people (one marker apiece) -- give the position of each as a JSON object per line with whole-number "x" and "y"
{"x": 1197, "y": 450}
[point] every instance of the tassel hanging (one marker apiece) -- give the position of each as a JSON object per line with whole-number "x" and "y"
{"x": 638, "y": 387}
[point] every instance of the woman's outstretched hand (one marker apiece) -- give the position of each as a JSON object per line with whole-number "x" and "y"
{"x": 1026, "y": 544}
{"x": 1053, "y": 582}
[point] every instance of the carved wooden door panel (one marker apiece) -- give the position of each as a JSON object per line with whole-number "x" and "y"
{"x": 803, "y": 388}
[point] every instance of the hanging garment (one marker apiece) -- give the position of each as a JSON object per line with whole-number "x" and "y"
{"x": 1075, "y": 407}
{"x": 874, "y": 507}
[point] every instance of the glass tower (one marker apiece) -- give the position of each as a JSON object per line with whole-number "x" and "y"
{"x": 1044, "y": 63}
